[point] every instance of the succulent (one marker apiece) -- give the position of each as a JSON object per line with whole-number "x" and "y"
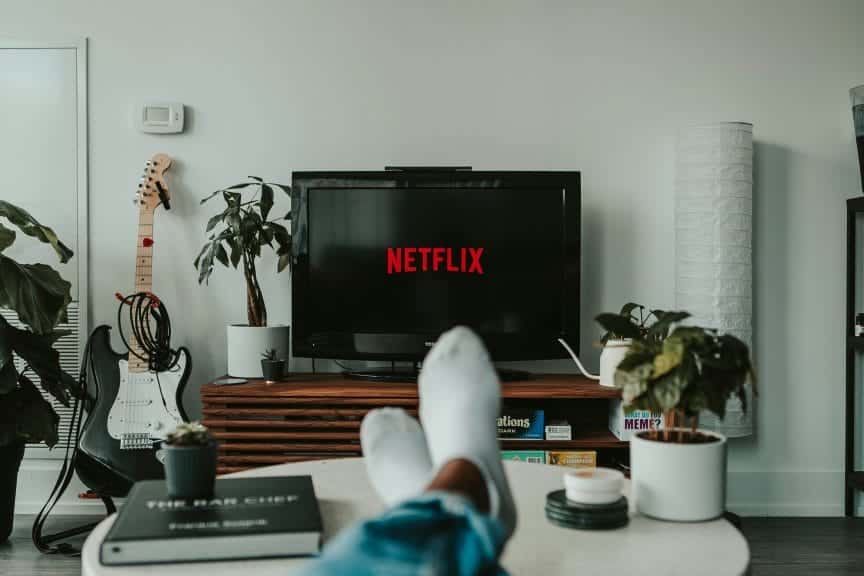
{"x": 269, "y": 354}
{"x": 189, "y": 434}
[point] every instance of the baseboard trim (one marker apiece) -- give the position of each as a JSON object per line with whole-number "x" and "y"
{"x": 786, "y": 492}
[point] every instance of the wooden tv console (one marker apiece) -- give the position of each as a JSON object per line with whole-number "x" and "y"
{"x": 315, "y": 416}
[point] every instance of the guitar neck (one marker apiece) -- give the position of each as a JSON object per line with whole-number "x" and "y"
{"x": 144, "y": 253}
{"x": 143, "y": 280}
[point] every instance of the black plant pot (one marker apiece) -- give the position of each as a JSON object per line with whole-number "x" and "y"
{"x": 190, "y": 471}
{"x": 273, "y": 369}
{"x": 10, "y": 461}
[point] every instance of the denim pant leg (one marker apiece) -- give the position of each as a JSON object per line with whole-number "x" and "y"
{"x": 438, "y": 533}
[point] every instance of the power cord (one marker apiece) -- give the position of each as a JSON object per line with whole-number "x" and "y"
{"x": 576, "y": 360}
{"x": 151, "y": 329}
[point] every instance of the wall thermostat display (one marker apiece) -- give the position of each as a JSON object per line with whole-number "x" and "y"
{"x": 160, "y": 117}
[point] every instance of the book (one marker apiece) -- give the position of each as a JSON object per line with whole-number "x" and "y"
{"x": 558, "y": 430}
{"x": 520, "y": 424}
{"x": 245, "y": 518}
{"x": 625, "y": 422}
{"x": 530, "y": 456}
{"x": 572, "y": 458}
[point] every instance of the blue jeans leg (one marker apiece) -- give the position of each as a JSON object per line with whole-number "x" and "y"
{"x": 438, "y": 533}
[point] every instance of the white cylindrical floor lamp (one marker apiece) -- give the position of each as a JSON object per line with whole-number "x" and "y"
{"x": 713, "y": 232}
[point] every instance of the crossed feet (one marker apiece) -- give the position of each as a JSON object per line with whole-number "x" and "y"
{"x": 456, "y": 450}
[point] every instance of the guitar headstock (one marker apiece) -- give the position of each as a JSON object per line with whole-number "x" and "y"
{"x": 153, "y": 189}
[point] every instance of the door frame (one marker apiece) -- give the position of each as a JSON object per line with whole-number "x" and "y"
{"x": 82, "y": 152}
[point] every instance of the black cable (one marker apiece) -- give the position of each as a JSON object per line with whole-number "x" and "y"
{"x": 73, "y": 436}
{"x": 151, "y": 328}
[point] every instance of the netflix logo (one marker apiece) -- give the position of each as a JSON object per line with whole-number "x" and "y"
{"x": 438, "y": 259}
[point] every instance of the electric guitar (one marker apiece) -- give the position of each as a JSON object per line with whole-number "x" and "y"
{"x": 134, "y": 408}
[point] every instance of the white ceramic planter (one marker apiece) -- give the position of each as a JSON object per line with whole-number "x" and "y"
{"x": 247, "y": 343}
{"x": 681, "y": 482}
{"x": 612, "y": 354}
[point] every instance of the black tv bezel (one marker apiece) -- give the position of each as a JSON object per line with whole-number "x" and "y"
{"x": 413, "y": 347}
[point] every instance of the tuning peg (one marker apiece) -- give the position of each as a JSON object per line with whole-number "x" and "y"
{"x": 148, "y": 162}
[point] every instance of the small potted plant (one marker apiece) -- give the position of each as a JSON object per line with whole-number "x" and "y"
{"x": 39, "y": 296}
{"x": 190, "y": 461}
{"x": 272, "y": 367}
{"x": 236, "y": 236}
{"x": 632, "y": 322}
{"x": 679, "y": 472}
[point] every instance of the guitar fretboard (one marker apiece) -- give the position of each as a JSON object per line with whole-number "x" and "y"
{"x": 143, "y": 279}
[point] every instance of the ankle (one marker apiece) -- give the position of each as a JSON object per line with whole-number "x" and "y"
{"x": 463, "y": 477}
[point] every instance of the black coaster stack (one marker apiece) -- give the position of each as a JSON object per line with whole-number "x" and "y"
{"x": 569, "y": 514}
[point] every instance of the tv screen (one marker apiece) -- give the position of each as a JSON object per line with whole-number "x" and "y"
{"x": 386, "y": 261}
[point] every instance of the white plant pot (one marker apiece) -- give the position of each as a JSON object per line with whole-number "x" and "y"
{"x": 612, "y": 354}
{"x": 680, "y": 482}
{"x": 246, "y": 344}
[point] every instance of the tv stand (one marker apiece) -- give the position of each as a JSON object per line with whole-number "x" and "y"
{"x": 384, "y": 375}
{"x": 314, "y": 416}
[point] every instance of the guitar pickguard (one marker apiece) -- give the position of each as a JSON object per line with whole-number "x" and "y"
{"x": 145, "y": 408}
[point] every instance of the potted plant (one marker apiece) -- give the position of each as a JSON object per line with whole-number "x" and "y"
{"x": 39, "y": 297}
{"x": 272, "y": 367}
{"x": 190, "y": 461}
{"x": 679, "y": 472}
{"x": 622, "y": 328}
{"x": 237, "y": 234}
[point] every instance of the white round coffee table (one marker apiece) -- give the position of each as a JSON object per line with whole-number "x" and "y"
{"x": 644, "y": 547}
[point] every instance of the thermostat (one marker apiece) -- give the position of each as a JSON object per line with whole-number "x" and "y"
{"x": 160, "y": 117}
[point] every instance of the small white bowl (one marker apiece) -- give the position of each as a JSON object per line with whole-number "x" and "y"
{"x": 593, "y": 485}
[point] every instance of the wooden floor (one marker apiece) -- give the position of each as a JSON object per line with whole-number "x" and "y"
{"x": 778, "y": 547}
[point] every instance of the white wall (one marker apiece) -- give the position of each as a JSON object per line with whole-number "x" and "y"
{"x": 600, "y": 86}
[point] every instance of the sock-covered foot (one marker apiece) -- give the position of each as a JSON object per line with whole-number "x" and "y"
{"x": 396, "y": 456}
{"x": 460, "y": 399}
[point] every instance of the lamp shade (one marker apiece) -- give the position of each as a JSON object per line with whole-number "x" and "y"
{"x": 713, "y": 232}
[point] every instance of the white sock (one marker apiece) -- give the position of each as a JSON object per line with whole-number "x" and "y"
{"x": 396, "y": 456}
{"x": 460, "y": 399}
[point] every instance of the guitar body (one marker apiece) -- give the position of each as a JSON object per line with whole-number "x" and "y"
{"x": 129, "y": 416}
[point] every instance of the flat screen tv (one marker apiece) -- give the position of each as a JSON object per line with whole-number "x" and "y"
{"x": 383, "y": 262}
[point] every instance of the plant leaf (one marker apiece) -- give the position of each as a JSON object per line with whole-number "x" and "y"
{"x": 285, "y": 188}
{"x": 628, "y": 308}
{"x": 266, "y": 202}
{"x": 236, "y": 252}
{"x": 36, "y": 292}
{"x": 210, "y": 196}
{"x": 7, "y": 237}
{"x": 256, "y": 178}
{"x": 214, "y": 221}
{"x": 660, "y": 329}
{"x": 618, "y": 325}
{"x": 240, "y": 186}
{"x": 284, "y": 261}
{"x": 37, "y": 350}
{"x": 31, "y": 227}
{"x": 8, "y": 377}
{"x": 221, "y": 254}
{"x": 35, "y": 418}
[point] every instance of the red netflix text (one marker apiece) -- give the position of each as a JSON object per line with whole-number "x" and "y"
{"x": 438, "y": 259}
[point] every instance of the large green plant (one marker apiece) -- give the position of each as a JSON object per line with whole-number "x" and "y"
{"x": 679, "y": 370}
{"x": 239, "y": 232}
{"x": 39, "y": 296}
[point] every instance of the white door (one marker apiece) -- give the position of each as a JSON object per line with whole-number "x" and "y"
{"x": 43, "y": 163}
